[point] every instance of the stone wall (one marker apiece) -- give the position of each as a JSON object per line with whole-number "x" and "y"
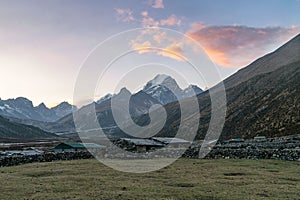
{"x": 47, "y": 157}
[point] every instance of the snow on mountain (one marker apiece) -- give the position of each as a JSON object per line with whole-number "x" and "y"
{"x": 63, "y": 109}
{"x": 105, "y": 98}
{"x": 166, "y": 90}
{"x": 159, "y": 79}
{"x": 192, "y": 90}
{"x": 163, "y": 88}
{"x": 23, "y": 108}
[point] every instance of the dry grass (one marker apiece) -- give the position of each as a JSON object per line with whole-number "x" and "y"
{"x": 185, "y": 179}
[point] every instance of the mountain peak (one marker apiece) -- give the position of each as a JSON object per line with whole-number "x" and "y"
{"x": 63, "y": 109}
{"x": 192, "y": 90}
{"x": 162, "y": 80}
{"x": 63, "y": 104}
{"x": 23, "y": 101}
{"x": 42, "y": 105}
{"x": 124, "y": 90}
{"x": 159, "y": 79}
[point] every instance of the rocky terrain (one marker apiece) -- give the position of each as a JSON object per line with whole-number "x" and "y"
{"x": 282, "y": 148}
{"x": 47, "y": 157}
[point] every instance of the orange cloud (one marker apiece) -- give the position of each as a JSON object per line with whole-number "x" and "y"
{"x": 171, "y": 21}
{"x": 197, "y": 25}
{"x": 174, "y": 52}
{"x": 160, "y": 37}
{"x": 236, "y": 46}
{"x": 144, "y": 13}
{"x": 161, "y": 45}
{"x": 144, "y": 47}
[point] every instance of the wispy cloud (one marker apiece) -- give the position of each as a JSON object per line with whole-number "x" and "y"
{"x": 171, "y": 21}
{"x": 236, "y": 46}
{"x": 148, "y": 21}
{"x": 197, "y": 25}
{"x": 227, "y": 46}
{"x": 157, "y": 4}
{"x": 158, "y": 42}
{"x": 174, "y": 51}
{"x": 141, "y": 48}
{"x": 124, "y": 15}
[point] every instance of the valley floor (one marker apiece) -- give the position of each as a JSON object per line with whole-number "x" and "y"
{"x": 184, "y": 179}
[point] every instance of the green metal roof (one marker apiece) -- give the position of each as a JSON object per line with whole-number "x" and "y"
{"x": 93, "y": 145}
{"x": 75, "y": 145}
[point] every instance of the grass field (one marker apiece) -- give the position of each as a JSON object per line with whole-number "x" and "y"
{"x": 185, "y": 179}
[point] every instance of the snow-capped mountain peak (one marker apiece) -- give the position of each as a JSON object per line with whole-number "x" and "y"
{"x": 159, "y": 79}
{"x": 165, "y": 89}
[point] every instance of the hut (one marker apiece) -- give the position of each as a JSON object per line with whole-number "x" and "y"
{"x": 172, "y": 142}
{"x": 74, "y": 147}
{"x": 139, "y": 145}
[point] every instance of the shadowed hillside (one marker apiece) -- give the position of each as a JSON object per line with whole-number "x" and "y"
{"x": 10, "y": 129}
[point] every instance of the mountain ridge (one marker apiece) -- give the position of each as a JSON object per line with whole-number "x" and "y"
{"x": 23, "y": 108}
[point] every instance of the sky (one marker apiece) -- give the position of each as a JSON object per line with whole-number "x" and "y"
{"x": 44, "y": 44}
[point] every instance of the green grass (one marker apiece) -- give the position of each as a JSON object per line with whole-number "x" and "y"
{"x": 185, "y": 179}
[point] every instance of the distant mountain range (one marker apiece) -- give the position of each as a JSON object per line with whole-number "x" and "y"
{"x": 156, "y": 91}
{"x": 60, "y": 119}
{"x": 262, "y": 99}
{"x": 23, "y": 108}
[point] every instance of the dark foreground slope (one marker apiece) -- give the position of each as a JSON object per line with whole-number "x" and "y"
{"x": 10, "y": 129}
{"x": 267, "y": 104}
